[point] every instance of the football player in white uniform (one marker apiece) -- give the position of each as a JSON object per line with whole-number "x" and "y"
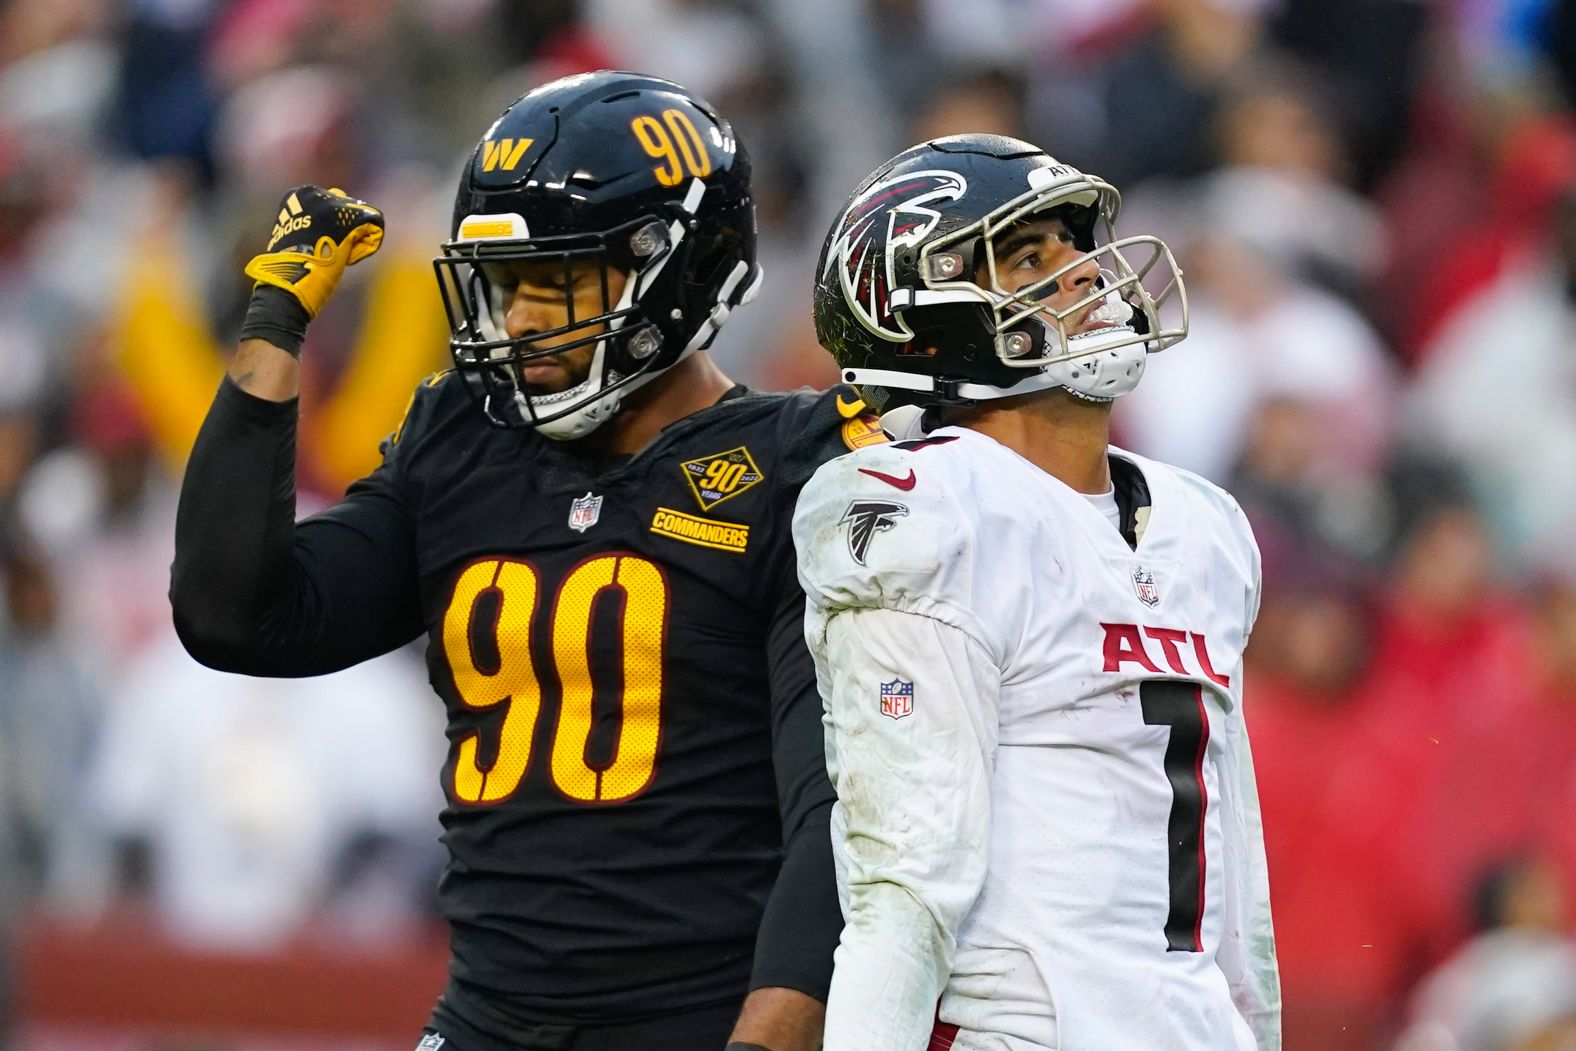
{"x": 1029, "y": 642}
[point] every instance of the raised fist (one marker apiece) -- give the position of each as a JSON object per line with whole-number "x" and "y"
{"x": 316, "y": 234}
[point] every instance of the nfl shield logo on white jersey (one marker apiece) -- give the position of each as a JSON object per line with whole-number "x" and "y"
{"x": 897, "y": 699}
{"x": 1144, "y": 584}
{"x": 584, "y": 512}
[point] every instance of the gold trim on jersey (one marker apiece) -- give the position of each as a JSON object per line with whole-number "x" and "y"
{"x": 431, "y": 381}
{"x": 850, "y": 409}
{"x": 721, "y": 536}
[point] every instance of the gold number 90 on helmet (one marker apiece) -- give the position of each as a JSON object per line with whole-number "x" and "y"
{"x": 617, "y": 170}
{"x": 910, "y": 302}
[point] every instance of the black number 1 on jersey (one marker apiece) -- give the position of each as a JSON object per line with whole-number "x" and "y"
{"x": 1180, "y": 705}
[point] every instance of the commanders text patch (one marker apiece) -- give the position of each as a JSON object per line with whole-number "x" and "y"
{"x": 721, "y": 476}
{"x": 724, "y": 536}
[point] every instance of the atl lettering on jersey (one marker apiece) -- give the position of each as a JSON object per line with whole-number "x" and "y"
{"x": 1183, "y": 652}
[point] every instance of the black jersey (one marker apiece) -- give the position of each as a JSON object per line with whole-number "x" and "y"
{"x": 633, "y": 721}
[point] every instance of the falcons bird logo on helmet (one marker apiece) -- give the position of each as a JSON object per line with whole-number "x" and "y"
{"x": 885, "y": 217}
{"x": 865, "y": 519}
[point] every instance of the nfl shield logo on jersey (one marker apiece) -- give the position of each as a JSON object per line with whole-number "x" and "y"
{"x": 430, "y": 1042}
{"x": 584, "y": 512}
{"x": 1144, "y": 584}
{"x": 897, "y": 699}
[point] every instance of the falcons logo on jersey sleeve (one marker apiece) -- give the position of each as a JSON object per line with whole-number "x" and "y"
{"x": 887, "y": 216}
{"x": 866, "y": 518}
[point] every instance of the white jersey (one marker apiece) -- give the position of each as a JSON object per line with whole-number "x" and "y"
{"x": 1047, "y": 814}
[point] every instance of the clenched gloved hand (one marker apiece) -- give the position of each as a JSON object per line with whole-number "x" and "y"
{"x": 316, "y": 234}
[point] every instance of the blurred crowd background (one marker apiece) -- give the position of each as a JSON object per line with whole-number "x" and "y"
{"x": 1375, "y": 204}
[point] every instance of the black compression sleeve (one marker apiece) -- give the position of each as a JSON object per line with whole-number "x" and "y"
{"x": 254, "y": 592}
{"x": 803, "y": 919}
{"x": 234, "y": 525}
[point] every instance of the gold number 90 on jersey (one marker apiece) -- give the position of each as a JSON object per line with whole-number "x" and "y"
{"x": 508, "y": 676}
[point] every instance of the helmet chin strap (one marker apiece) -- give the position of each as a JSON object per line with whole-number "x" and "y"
{"x": 1109, "y": 362}
{"x": 584, "y": 419}
{"x": 1100, "y": 365}
{"x": 1102, "y": 376}
{"x": 1098, "y": 374}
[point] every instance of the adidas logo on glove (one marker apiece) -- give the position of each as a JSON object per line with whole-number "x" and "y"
{"x": 290, "y": 220}
{"x": 300, "y": 222}
{"x": 309, "y": 265}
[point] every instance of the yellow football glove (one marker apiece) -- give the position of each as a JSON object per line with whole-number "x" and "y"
{"x": 316, "y": 235}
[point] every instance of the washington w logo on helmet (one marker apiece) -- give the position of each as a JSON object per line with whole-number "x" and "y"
{"x": 887, "y": 216}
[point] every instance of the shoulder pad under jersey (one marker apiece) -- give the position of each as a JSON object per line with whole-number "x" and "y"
{"x": 881, "y": 527}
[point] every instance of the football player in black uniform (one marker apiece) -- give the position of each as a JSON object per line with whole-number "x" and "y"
{"x": 590, "y": 524}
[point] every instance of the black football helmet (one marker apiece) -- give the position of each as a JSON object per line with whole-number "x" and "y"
{"x": 907, "y": 298}
{"x": 624, "y": 170}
